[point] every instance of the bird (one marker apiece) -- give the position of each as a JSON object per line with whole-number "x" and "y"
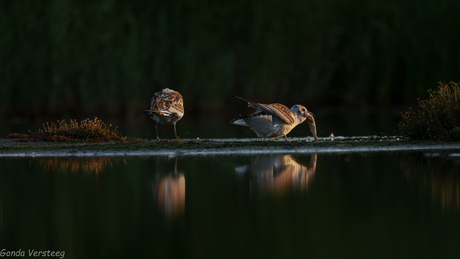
{"x": 275, "y": 120}
{"x": 167, "y": 107}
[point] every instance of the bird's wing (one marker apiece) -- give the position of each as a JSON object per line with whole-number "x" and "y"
{"x": 281, "y": 111}
{"x": 168, "y": 100}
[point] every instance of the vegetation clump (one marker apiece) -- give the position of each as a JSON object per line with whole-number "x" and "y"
{"x": 435, "y": 118}
{"x": 86, "y": 130}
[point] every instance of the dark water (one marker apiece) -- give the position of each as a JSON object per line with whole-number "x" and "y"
{"x": 379, "y": 205}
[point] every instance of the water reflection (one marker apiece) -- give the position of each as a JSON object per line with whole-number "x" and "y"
{"x": 364, "y": 200}
{"x": 437, "y": 174}
{"x": 1, "y": 215}
{"x": 279, "y": 174}
{"x": 169, "y": 192}
{"x": 92, "y": 165}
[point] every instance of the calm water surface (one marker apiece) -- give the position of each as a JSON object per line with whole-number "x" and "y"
{"x": 379, "y": 205}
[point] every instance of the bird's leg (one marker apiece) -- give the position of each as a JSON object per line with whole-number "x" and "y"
{"x": 286, "y": 138}
{"x": 175, "y": 166}
{"x": 175, "y": 134}
{"x": 156, "y": 129}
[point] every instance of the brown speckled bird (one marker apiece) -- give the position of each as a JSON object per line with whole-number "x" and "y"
{"x": 167, "y": 107}
{"x": 275, "y": 120}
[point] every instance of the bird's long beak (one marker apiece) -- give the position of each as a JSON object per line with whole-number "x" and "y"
{"x": 308, "y": 113}
{"x": 312, "y": 126}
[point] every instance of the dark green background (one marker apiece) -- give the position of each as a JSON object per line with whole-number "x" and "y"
{"x": 77, "y": 57}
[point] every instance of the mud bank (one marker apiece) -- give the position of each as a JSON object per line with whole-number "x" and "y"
{"x": 218, "y": 147}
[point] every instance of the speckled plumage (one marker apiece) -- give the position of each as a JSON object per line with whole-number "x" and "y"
{"x": 275, "y": 120}
{"x": 166, "y": 107}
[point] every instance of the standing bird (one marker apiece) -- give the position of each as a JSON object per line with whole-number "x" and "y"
{"x": 275, "y": 120}
{"x": 167, "y": 107}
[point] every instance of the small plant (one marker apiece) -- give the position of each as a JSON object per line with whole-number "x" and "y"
{"x": 455, "y": 133}
{"x": 86, "y": 130}
{"x": 435, "y": 118}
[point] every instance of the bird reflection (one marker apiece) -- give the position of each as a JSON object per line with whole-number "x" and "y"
{"x": 279, "y": 174}
{"x": 169, "y": 192}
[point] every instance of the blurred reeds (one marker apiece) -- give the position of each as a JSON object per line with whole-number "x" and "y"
{"x": 438, "y": 175}
{"x": 111, "y": 55}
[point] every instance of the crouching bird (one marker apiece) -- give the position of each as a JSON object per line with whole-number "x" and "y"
{"x": 167, "y": 107}
{"x": 275, "y": 120}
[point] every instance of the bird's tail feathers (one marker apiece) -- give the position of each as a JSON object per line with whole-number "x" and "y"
{"x": 239, "y": 121}
{"x": 239, "y": 98}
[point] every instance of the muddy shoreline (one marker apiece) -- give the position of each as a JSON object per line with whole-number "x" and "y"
{"x": 218, "y": 147}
